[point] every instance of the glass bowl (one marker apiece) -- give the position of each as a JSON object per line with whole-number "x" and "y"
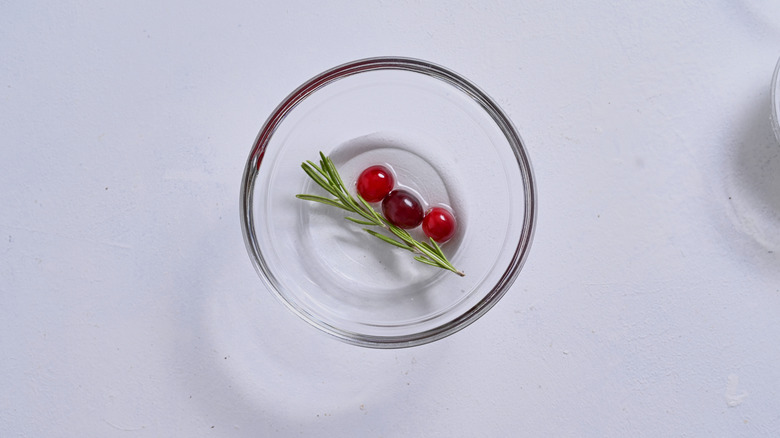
{"x": 446, "y": 140}
{"x": 776, "y": 101}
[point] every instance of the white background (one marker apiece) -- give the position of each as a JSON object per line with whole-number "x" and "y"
{"x": 649, "y": 305}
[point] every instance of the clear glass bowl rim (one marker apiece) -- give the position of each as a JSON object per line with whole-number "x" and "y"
{"x": 321, "y": 80}
{"x": 775, "y": 95}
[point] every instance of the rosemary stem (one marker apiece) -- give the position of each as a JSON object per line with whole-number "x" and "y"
{"x": 326, "y": 176}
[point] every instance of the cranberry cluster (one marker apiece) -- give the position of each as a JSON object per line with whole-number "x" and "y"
{"x": 401, "y": 207}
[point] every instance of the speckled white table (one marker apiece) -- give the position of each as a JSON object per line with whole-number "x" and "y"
{"x": 649, "y": 306}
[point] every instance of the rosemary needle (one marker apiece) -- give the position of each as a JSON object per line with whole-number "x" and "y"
{"x": 327, "y": 177}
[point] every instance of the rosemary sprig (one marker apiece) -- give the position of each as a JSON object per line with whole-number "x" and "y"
{"x": 327, "y": 177}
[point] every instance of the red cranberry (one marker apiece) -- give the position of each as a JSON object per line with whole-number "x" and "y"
{"x": 439, "y": 224}
{"x": 402, "y": 209}
{"x": 375, "y": 183}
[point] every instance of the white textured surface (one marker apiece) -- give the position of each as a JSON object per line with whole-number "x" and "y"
{"x": 650, "y": 305}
